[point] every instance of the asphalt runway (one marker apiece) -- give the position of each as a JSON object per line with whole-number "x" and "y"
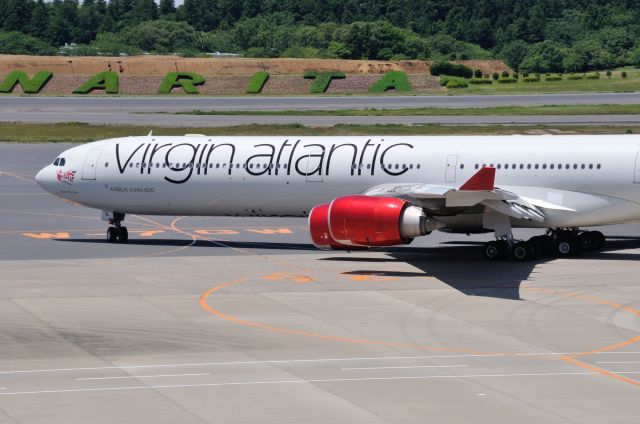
{"x": 210, "y": 320}
{"x": 170, "y": 120}
{"x": 159, "y": 111}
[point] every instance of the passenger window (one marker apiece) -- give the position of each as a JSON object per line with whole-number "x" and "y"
{"x": 551, "y": 166}
{"x": 477, "y": 166}
{"x": 106, "y": 164}
{"x": 544, "y": 166}
{"x": 528, "y": 166}
{"x": 499, "y": 166}
{"x": 131, "y": 165}
{"x": 590, "y": 166}
{"x": 582, "y": 166}
{"x": 598, "y": 166}
{"x": 575, "y": 166}
{"x": 418, "y": 166}
{"x": 521, "y": 166}
{"x": 369, "y": 166}
{"x": 461, "y": 166}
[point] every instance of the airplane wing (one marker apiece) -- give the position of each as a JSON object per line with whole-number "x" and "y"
{"x": 478, "y": 190}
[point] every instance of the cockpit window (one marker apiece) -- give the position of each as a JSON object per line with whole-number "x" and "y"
{"x": 55, "y": 162}
{"x": 62, "y": 161}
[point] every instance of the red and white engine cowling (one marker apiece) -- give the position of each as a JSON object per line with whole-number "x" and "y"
{"x": 363, "y": 221}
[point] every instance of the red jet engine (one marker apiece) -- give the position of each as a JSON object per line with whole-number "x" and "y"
{"x": 365, "y": 221}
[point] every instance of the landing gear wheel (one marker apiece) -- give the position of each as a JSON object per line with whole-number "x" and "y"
{"x": 112, "y": 234}
{"x": 521, "y": 251}
{"x": 598, "y": 240}
{"x": 536, "y": 245}
{"x": 123, "y": 235}
{"x": 567, "y": 245}
{"x": 493, "y": 250}
{"x": 587, "y": 241}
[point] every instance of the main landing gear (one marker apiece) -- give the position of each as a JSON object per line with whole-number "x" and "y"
{"x": 555, "y": 243}
{"x": 116, "y": 232}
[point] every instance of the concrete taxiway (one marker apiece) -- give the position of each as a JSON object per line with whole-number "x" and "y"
{"x": 212, "y": 320}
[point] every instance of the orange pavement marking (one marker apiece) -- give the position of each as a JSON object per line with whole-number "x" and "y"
{"x": 205, "y": 305}
{"x": 593, "y": 299}
{"x": 62, "y": 235}
{"x": 217, "y": 232}
{"x": 279, "y": 276}
{"x": 570, "y": 359}
{"x": 269, "y": 230}
{"x": 10, "y": 174}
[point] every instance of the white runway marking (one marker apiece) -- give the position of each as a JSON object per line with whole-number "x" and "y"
{"x": 407, "y": 367}
{"x": 140, "y": 376}
{"x": 293, "y": 361}
{"x": 330, "y": 380}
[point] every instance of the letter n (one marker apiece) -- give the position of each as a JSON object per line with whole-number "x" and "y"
{"x": 30, "y": 86}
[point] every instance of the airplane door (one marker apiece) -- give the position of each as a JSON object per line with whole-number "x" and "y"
{"x": 450, "y": 171}
{"x": 636, "y": 178}
{"x": 314, "y": 167}
{"x": 90, "y": 164}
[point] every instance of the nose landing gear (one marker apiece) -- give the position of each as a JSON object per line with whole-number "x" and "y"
{"x": 116, "y": 232}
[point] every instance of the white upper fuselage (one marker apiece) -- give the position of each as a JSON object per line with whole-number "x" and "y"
{"x": 596, "y": 176}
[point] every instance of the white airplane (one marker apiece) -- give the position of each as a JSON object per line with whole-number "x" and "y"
{"x": 362, "y": 192}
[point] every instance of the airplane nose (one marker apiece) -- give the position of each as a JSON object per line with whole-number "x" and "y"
{"x": 44, "y": 178}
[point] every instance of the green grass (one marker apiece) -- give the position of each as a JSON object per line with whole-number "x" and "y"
{"x": 623, "y": 109}
{"x": 614, "y": 84}
{"x": 79, "y": 132}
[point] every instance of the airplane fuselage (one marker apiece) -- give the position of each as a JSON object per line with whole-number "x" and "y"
{"x": 596, "y": 178}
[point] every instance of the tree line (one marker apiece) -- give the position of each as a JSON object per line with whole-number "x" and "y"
{"x": 532, "y": 35}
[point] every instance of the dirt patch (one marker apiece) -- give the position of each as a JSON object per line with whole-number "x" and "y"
{"x": 161, "y": 65}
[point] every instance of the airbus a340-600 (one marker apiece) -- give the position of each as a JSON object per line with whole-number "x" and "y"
{"x": 364, "y": 192}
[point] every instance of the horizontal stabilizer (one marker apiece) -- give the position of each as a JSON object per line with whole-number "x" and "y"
{"x": 482, "y": 180}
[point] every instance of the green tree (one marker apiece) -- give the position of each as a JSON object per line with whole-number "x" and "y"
{"x": 167, "y": 8}
{"x": 39, "y": 20}
{"x": 19, "y": 43}
{"x": 161, "y": 36}
{"x": 514, "y": 53}
{"x": 17, "y": 15}
{"x": 63, "y": 22}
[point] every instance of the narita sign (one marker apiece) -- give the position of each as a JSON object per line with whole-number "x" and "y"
{"x": 187, "y": 82}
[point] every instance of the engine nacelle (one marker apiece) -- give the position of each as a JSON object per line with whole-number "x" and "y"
{"x": 319, "y": 229}
{"x": 366, "y": 221}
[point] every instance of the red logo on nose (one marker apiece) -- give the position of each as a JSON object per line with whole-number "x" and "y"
{"x": 66, "y": 177}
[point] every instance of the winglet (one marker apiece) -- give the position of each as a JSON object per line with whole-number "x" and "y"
{"x": 482, "y": 180}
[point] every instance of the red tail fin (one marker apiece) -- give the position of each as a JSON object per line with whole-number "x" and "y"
{"x": 482, "y": 180}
